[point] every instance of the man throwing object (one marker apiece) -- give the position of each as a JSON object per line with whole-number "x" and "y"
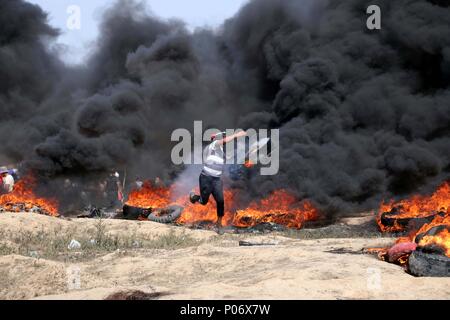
{"x": 210, "y": 179}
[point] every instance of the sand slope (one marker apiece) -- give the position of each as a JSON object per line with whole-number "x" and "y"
{"x": 216, "y": 269}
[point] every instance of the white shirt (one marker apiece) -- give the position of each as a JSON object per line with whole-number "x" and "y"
{"x": 213, "y": 160}
{"x": 8, "y": 183}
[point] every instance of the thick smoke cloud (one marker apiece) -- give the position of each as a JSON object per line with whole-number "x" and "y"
{"x": 363, "y": 114}
{"x": 28, "y": 72}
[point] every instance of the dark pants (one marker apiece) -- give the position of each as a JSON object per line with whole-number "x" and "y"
{"x": 212, "y": 185}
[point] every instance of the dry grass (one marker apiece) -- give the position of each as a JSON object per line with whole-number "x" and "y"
{"x": 5, "y": 279}
{"x": 94, "y": 242}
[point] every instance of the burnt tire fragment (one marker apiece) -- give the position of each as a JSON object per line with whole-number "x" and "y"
{"x": 422, "y": 264}
{"x": 134, "y": 213}
{"x": 390, "y": 219}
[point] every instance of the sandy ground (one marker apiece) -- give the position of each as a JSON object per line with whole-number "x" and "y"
{"x": 216, "y": 269}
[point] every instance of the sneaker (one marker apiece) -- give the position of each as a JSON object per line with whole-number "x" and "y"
{"x": 193, "y": 197}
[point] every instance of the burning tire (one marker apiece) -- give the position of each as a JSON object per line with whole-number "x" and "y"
{"x": 403, "y": 222}
{"x": 432, "y": 232}
{"x": 167, "y": 215}
{"x": 422, "y": 264}
{"x": 134, "y": 213}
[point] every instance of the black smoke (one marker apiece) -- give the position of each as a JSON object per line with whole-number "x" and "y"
{"x": 364, "y": 115}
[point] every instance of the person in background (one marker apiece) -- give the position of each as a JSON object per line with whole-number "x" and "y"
{"x": 7, "y": 180}
{"x": 113, "y": 190}
{"x": 139, "y": 183}
{"x": 120, "y": 193}
{"x": 159, "y": 183}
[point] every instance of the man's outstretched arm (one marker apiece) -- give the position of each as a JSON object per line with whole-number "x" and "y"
{"x": 231, "y": 138}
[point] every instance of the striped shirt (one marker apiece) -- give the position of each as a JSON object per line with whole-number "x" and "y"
{"x": 214, "y": 160}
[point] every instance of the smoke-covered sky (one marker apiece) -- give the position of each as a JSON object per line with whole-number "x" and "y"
{"x": 363, "y": 115}
{"x": 75, "y": 43}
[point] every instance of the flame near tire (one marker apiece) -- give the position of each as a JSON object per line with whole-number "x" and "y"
{"x": 280, "y": 207}
{"x": 419, "y": 206}
{"x": 23, "y": 198}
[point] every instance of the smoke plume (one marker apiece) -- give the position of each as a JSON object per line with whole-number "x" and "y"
{"x": 363, "y": 115}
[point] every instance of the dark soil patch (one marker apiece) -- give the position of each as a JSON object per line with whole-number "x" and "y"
{"x": 135, "y": 295}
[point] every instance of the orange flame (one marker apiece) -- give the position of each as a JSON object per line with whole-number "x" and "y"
{"x": 419, "y": 206}
{"x": 24, "y": 195}
{"x": 248, "y": 164}
{"x": 441, "y": 239}
{"x": 194, "y": 213}
{"x": 149, "y": 196}
{"x": 281, "y": 207}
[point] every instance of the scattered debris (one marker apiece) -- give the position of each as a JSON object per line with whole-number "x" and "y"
{"x": 74, "y": 244}
{"x": 22, "y": 207}
{"x": 93, "y": 212}
{"x": 244, "y": 243}
{"x": 347, "y": 251}
{"x": 34, "y": 254}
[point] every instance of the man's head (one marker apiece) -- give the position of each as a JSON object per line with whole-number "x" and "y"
{"x": 4, "y": 172}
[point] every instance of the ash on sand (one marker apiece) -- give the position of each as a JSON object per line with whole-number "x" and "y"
{"x": 363, "y": 226}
